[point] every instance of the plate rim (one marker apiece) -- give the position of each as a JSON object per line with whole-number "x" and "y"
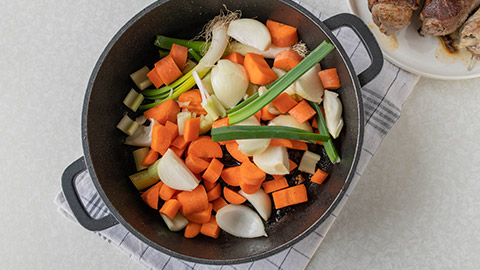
{"x": 352, "y": 6}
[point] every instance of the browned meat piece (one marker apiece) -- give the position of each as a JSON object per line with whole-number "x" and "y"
{"x": 470, "y": 35}
{"x": 442, "y": 17}
{"x": 392, "y": 15}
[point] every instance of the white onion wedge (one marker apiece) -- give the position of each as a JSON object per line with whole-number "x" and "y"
{"x": 309, "y": 85}
{"x": 243, "y": 49}
{"x": 176, "y": 224}
{"x": 229, "y": 82}
{"x": 240, "y": 221}
{"x": 287, "y": 120}
{"x": 261, "y": 201}
{"x": 333, "y": 113}
{"x": 174, "y": 173}
{"x": 250, "y": 32}
{"x": 274, "y": 160}
{"x": 308, "y": 162}
{"x": 143, "y": 136}
{"x": 252, "y": 147}
{"x": 280, "y": 72}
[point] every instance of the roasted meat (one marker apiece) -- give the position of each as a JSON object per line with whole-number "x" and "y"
{"x": 442, "y": 17}
{"x": 392, "y": 15}
{"x": 470, "y": 35}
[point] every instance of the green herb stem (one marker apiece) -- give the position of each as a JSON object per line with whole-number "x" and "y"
{"x": 227, "y": 133}
{"x": 167, "y": 42}
{"x": 194, "y": 54}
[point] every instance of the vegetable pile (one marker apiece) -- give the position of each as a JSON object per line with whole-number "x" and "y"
{"x": 225, "y": 128}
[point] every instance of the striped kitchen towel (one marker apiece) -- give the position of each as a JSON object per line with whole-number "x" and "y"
{"x": 383, "y": 99}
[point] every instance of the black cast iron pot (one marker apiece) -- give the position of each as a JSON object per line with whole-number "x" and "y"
{"x": 109, "y": 161}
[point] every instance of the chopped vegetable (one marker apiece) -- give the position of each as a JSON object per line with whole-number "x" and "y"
{"x": 160, "y": 142}
{"x": 192, "y": 101}
{"x": 250, "y": 32}
{"x": 287, "y": 59}
{"x": 299, "y": 145}
{"x": 282, "y": 83}
{"x": 290, "y": 196}
{"x": 214, "y": 193}
{"x": 260, "y": 201}
{"x": 309, "y": 162}
{"x": 210, "y": 102}
{"x": 140, "y": 78}
{"x": 213, "y": 171}
{"x": 145, "y": 178}
{"x": 192, "y": 230}
{"x": 319, "y": 176}
{"x": 201, "y": 216}
{"x": 302, "y": 112}
{"x": 251, "y": 174}
{"x": 177, "y": 223}
{"x": 182, "y": 118}
{"x": 127, "y": 125}
{"x": 150, "y": 158}
{"x": 235, "y": 57}
{"x": 240, "y": 221}
{"x": 150, "y": 196}
{"x": 281, "y": 142}
{"x": 274, "y": 160}
{"x": 193, "y": 201}
{"x": 284, "y": 102}
{"x": 168, "y": 70}
{"x": 196, "y": 164}
{"x": 179, "y": 55}
{"x": 232, "y": 176}
{"x": 210, "y": 228}
{"x": 232, "y": 196}
{"x": 233, "y": 150}
{"x": 329, "y": 78}
{"x": 262, "y": 132}
{"x": 133, "y": 100}
{"x": 191, "y": 130}
{"x": 259, "y": 72}
{"x": 170, "y": 208}
{"x": 248, "y": 147}
{"x": 219, "y": 204}
{"x": 205, "y": 124}
{"x": 204, "y": 147}
{"x": 309, "y": 85}
{"x": 274, "y": 185}
{"x": 166, "y": 43}
{"x": 175, "y": 174}
{"x": 282, "y": 35}
{"x": 333, "y": 113}
{"x": 249, "y": 189}
{"x": 167, "y": 110}
{"x": 138, "y": 155}
{"x": 229, "y": 82}
{"x": 166, "y": 192}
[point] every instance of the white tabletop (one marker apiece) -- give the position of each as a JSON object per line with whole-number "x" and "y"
{"x": 417, "y": 205}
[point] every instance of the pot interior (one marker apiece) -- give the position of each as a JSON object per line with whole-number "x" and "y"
{"x": 110, "y": 161}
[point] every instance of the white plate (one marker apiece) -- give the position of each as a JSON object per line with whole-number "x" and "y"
{"x": 424, "y": 56}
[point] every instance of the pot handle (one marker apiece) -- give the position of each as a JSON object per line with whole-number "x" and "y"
{"x": 366, "y": 37}
{"x": 73, "y": 200}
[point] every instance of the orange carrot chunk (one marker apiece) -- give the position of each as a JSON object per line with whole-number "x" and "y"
{"x": 299, "y": 145}
{"x": 209, "y": 185}
{"x": 193, "y": 201}
{"x": 177, "y": 151}
{"x": 213, "y": 171}
{"x": 180, "y": 142}
{"x": 293, "y": 165}
{"x": 258, "y": 115}
{"x": 290, "y": 196}
{"x": 150, "y": 158}
{"x": 274, "y": 185}
{"x": 302, "y": 112}
{"x": 167, "y": 110}
{"x": 204, "y": 147}
{"x": 329, "y": 78}
{"x": 170, "y": 208}
{"x": 150, "y": 196}
{"x": 284, "y": 102}
{"x": 214, "y": 193}
{"x": 191, "y": 130}
{"x": 160, "y": 139}
{"x": 251, "y": 174}
{"x": 287, "y": 59}
{"x": 258, "y": 70}
{"x": 266, "y": 115}
{"x": 192, "y": 101}
{"x": 282, "y": 35}
{"x": 210, "y": 228}
{"x": 220, "y": 123}
{"x": 232, "y": 176}
{"x": 281, "y": 142}
{"x": 232, "y": 196}
{"x": 192, "y": 230}
{"x": 179, "y": 54}
{"x": 232, "y": 149}
{"x": 319, "y": 176}
{"x": 172, "y": 130}
{"x": 234, "y": 57}
{"x": 168, "y": 70}
{"x": 202, "y": 216}
{"x": 250, "y": 189}
{"x": 154, "y": 78}
{"x": 166, "y": 192}
{"x": 196, "y": 164}
{"x": 218, "y": 204}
